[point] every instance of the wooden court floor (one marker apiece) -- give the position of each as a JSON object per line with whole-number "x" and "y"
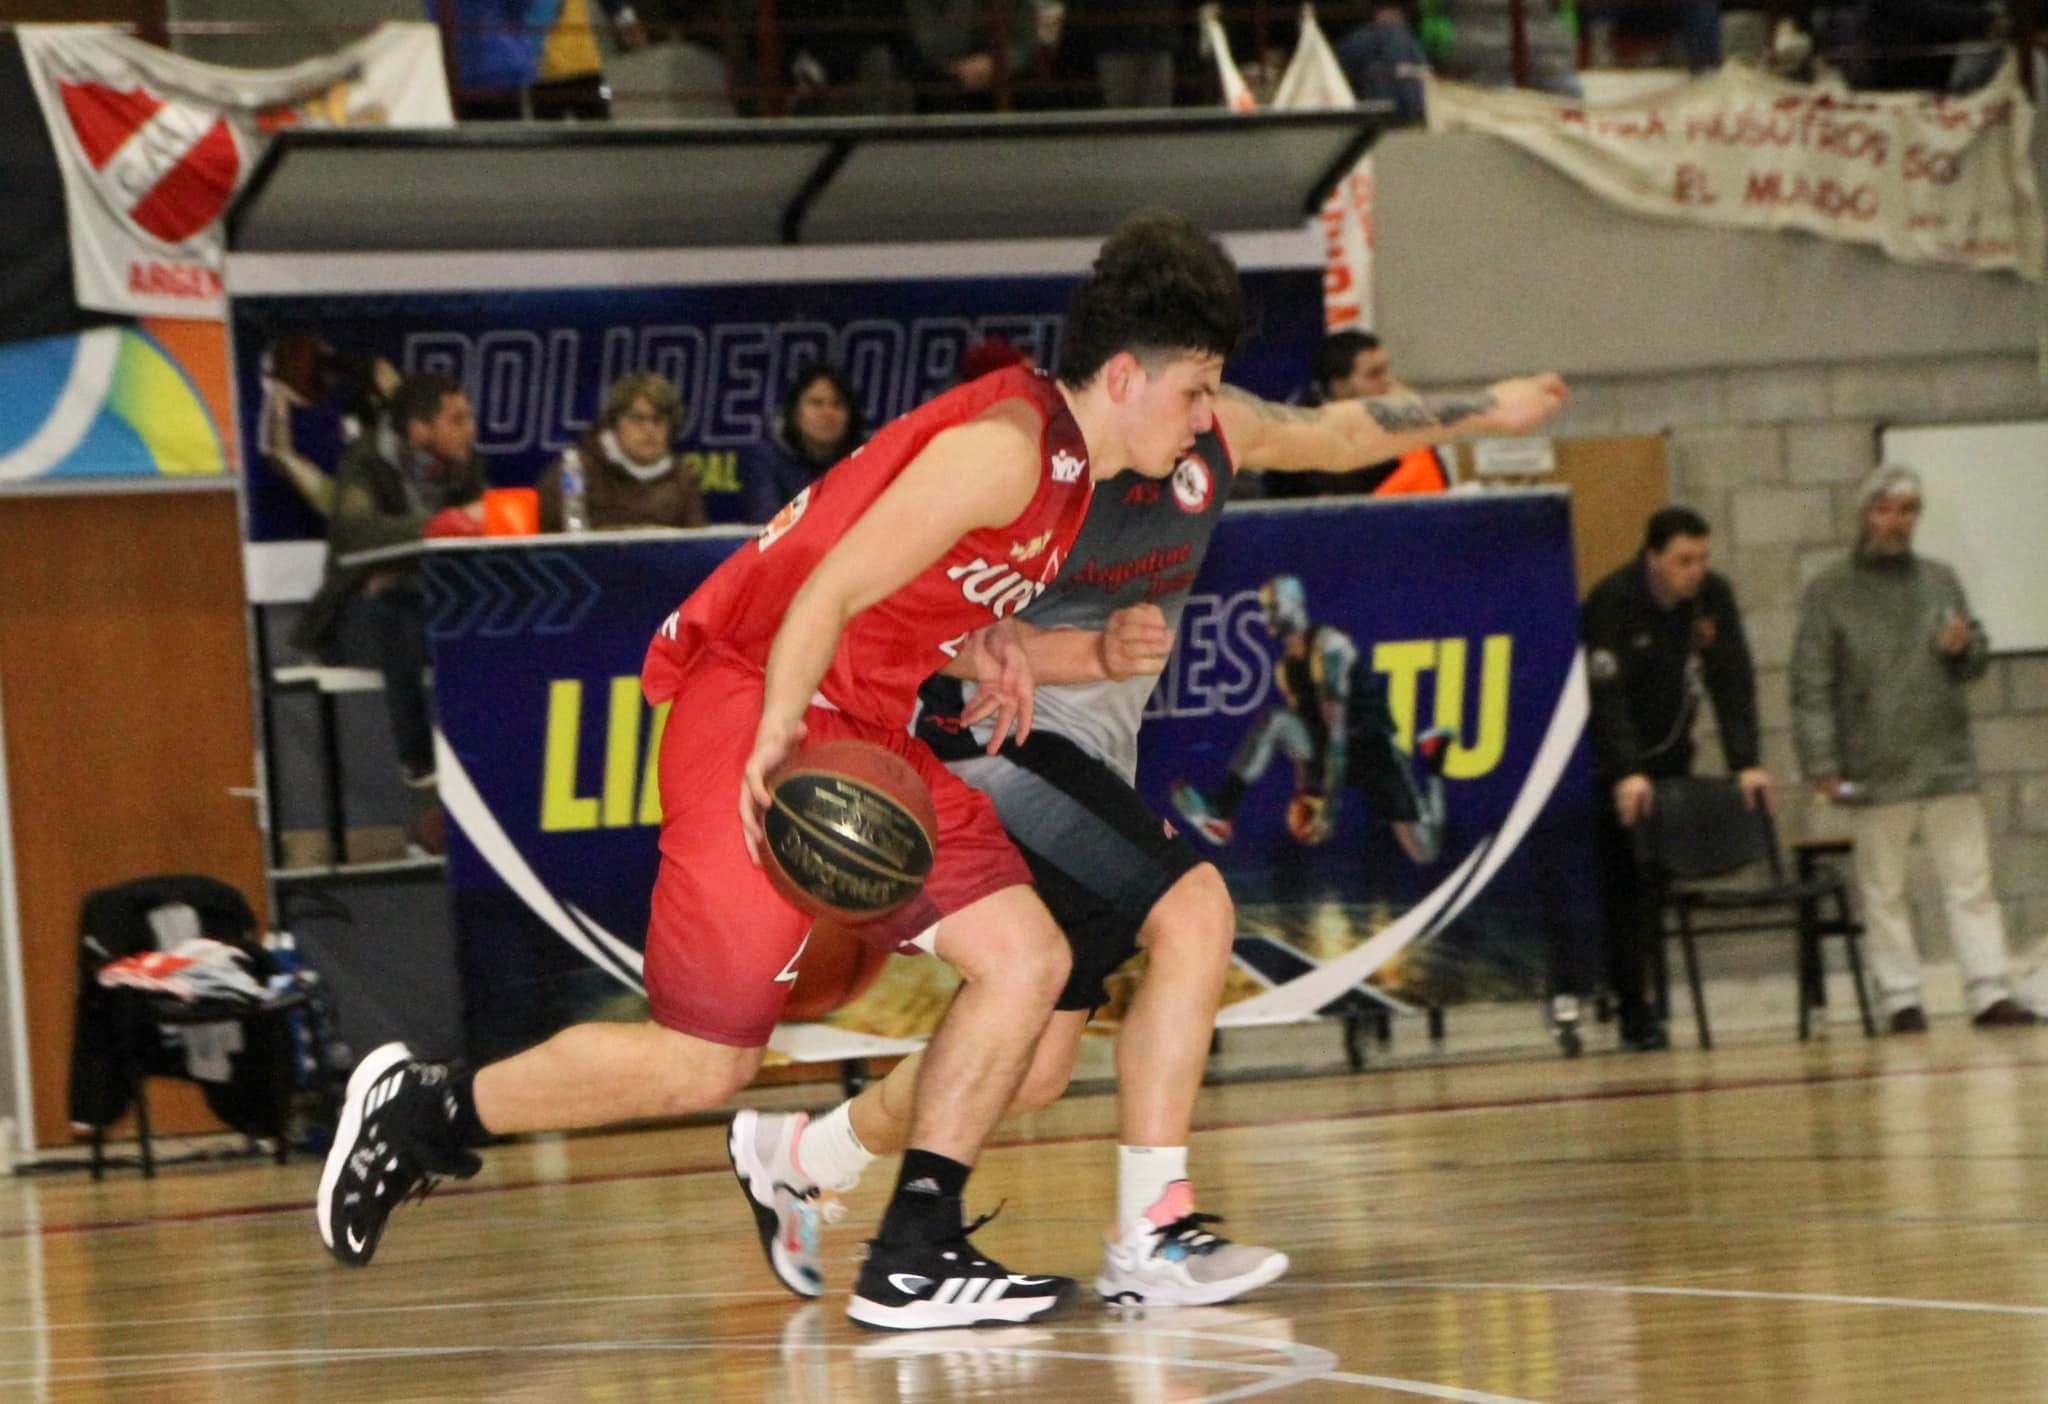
{"x": 1770, "y": 1222}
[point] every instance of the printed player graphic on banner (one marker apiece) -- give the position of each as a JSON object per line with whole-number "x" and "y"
{"x": 1381, "y": 748}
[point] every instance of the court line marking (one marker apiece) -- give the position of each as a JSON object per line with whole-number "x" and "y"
{"x": 401, "y": 1308}
{"x": 1723, "y": 1293}
{"x": 721, "y": 1167}
{"x": 1307, "y": 1364}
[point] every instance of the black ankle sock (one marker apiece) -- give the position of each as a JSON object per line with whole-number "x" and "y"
{"x": 1227, "y": 796}
{"x": 460, "y": 1106}
{"x": 926, "y": 1206}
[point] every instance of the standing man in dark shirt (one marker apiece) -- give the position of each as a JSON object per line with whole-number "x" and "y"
{"x": 1658, "y": 632}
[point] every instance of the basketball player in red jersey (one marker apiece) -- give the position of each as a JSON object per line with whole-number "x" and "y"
{"x": 894, "y": 565}
{"x": 1114, "y": 876}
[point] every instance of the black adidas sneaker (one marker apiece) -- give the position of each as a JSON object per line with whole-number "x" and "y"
{"x": 922, "y": 1286}
{"x": 392, "y": 1145}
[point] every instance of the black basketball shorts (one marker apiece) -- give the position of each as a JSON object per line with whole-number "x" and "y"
{"x": 1101, "y": 859}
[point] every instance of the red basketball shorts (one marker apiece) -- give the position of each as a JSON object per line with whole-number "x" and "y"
{"x": 723, "y": 948}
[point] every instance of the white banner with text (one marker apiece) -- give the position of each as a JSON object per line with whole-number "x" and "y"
{"x": 1925, "y": 177}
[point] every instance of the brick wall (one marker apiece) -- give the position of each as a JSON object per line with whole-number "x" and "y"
{"x": 1773, "y": 457}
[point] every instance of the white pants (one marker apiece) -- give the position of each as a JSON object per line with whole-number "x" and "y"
{"x": 1954, "y": 830}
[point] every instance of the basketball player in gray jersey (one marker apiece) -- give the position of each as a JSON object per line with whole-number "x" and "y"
{"x": 1116, "y": 877}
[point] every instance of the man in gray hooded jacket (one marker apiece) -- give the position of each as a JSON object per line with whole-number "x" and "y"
{"x": 1885, "y": 646}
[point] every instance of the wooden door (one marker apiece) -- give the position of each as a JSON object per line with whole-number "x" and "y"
{"x": 125, "y": 676}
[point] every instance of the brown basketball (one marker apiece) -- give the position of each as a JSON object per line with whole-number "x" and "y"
{"x": 851, "y": 833}
{"x": 837, "y": 966}
{"x": 1305, "y": 820}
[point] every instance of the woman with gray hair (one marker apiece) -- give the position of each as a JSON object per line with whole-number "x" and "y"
{"x": 624, "y": 467}
{"x": 1885, "y": 647}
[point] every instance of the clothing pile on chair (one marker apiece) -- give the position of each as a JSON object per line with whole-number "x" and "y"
{"x": 194, "y": 970}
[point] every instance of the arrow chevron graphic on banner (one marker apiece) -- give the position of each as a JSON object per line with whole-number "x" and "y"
{"x": 504, "y": 594}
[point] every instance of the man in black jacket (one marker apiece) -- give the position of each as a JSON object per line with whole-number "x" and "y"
{"x": 1658, "y": 632}
{"x": 393, "y": 481}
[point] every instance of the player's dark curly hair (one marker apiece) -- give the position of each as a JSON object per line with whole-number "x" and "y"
{"x": 1159, "y": 286}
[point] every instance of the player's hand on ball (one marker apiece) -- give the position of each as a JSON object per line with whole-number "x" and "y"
{"x": 1526, "y": 403}
{"x": 774, "y": 743}
{"x": 1136, "y": 642}
{"x": 1003, "y": 682}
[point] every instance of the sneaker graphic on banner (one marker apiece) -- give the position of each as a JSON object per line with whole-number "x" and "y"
{"x": 1202, "y": 818}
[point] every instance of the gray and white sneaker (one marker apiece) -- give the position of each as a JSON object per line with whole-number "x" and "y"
{"x": 392, "y": 1144}
{"x": 789, "y": 1211}
{"x": 1183, "y": 1264}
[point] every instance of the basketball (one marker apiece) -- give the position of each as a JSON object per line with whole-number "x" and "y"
{"x": 837, "y": 967}
{"x": 1305, "y": 820}
{"x": 851, "y": 832}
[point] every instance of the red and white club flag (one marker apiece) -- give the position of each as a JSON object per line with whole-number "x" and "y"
{"x": 154, "y": 146}
{"x": 1315, "y": 81}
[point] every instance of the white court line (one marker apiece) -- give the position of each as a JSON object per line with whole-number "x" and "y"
{"x": 1276, "y": 1377}
{"x": 1726, "y": 1293}
{"x": 484, "y": 1304}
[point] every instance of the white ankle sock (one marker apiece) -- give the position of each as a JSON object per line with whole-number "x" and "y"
{"x": 1143, "y": 1176}
{"x": 828, "y": 1152}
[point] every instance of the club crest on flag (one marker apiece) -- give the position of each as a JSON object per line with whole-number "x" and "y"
{"x": 165, "y": 169}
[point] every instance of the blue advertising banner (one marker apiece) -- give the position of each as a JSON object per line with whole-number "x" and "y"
{"x": 1455, "y": 616}
{"x": 536, "y": 361}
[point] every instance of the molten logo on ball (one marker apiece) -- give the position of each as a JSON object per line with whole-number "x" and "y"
{"x": 850, "y": 833}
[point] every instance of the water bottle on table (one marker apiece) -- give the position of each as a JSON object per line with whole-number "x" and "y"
{"x": 575, "y": 494}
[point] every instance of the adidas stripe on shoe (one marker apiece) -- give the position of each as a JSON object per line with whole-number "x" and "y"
{"x": 392, "y": 1145}
{"x": 928, "y": 1286}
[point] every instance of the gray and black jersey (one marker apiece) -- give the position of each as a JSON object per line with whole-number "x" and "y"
{"x": 1143, "y": 542}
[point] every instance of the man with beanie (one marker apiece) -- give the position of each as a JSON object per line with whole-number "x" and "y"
{"x": 1885, "y": 646}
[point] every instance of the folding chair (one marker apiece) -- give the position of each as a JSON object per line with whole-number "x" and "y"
{"x": 1699, "y": 829}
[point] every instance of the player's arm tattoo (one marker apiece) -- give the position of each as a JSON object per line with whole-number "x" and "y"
{"x": 1404, "y": 414}
{"x": 1267, "y": 409}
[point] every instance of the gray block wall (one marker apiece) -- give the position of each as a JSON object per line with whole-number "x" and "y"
{"x": 1773, "y": 457}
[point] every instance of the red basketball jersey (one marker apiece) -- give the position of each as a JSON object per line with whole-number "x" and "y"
{"x": 890, "y": 648}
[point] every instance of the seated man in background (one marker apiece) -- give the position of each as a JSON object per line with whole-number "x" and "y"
{"x": 417, "y": 464}
{"x": 627, "y": 474}
{"x": 1658, "y": 631}
{"x": 1352, "y": 365}
{"x": 1885, "y": 647}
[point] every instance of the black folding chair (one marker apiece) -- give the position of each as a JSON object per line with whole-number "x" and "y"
{"x": 1699, "y": 829}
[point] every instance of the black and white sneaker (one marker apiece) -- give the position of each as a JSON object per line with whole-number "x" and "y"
{"x": 924, "y": 1286}
{"x": 392, "y": 1145}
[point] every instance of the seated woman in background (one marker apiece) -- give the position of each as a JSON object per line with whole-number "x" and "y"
{"x": 819, "y": 424}
{"x": 630, "y": 478}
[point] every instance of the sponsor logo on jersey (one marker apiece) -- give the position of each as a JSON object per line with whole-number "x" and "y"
{"x": 1025, "y": 550}
{"x": 1067, "y": 467}
{"x": 1193, "y": 484}
{"x": 1141, "y": 494}
{"x": 998, "y": 588}
{"x": 1117, "y": 574}
{"x": 782, "y": 521}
